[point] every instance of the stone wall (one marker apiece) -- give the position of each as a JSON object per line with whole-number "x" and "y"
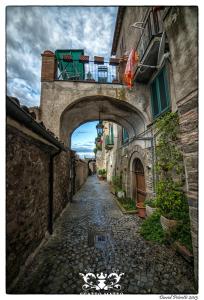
{"x": 181, "y": 25}
{"x": 27, "y": 187}
{"x": 61, "y": 182}
{"x": 129, "y": 36}
{"x": 81, "y": 169}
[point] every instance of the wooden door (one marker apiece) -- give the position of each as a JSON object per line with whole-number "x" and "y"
{"x": 140, "y": 182}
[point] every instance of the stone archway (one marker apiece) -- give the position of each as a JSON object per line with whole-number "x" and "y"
{"x": 92, "y": 169}
{"x": 87, "y": 109}
{"x": 137, "y": 155}
{"x": 138, "y": 187}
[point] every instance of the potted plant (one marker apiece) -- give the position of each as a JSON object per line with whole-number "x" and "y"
{"x": 116, "y": 184}
{"x": 114, "y": 61}
{"x": 141, "y": 209}
{"x": 170, "y": 198}
{"x": 101, "y": 174}
{"x": 150, "y": 206}
{"x": 89, "y": 77}
{"x": 99, "y": 60}
{"x": 172, "y": 203}
{"x": 84, "y": 59}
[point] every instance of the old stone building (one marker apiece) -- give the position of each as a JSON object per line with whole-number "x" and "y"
{"x": 164, "y": 37}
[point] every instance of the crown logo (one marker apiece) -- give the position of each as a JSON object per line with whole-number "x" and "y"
{"x": 101, "y": 281}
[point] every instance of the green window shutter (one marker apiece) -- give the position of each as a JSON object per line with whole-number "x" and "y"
{"x": 111, "y": 136}
{"x": 155, "y": 104}
{"x": 160, "y": 94}
{"x": 125, "y": 135}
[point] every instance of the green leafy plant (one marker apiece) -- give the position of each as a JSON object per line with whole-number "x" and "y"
{"x": 151, "y": 202}
{"x": 117, "y": 182}
{"x": 127, "y": 203}
{"x": 151, "y": 229}
{"x": 169, "y": 155}
{"x": 99, "y": 147}
{"x": 182, "y": 233}
{"x": 170, "y": 199}
{"x": 102, "y": 172}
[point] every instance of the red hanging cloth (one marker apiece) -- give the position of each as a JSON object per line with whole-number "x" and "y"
{"x": 130, "y": 67}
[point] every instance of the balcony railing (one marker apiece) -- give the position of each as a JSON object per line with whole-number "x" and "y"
{"x": 75, "y": 70}
{"x": 109, "y": 142}
{"x": 152, "y": 27}
{"x": 148, "y": 46}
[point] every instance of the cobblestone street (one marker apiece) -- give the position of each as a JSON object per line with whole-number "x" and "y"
{"x": 93, "y": 235}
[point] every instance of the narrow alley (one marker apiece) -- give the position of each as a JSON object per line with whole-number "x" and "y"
{"x": 93, "y": 235}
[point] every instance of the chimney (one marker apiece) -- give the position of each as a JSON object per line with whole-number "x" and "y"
{"x": 48, "y": 69}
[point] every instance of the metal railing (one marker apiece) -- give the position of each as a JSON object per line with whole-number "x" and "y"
{"x": 88, "y": 72}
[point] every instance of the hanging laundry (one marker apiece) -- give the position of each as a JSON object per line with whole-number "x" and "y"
{"x": 130, "y": 68}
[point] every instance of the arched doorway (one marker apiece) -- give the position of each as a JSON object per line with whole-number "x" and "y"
{"x": 92, "y": 166}
{"x": 139, "y": 190}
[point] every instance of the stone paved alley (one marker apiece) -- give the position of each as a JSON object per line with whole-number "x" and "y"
{"x": 74, "y": 248}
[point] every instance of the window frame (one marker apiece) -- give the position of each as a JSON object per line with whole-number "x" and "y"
{"x": 166, "y": 88}
{"x": 124, "y": 141}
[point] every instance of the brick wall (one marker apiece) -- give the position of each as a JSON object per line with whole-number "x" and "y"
{"x": 48, "y": 66}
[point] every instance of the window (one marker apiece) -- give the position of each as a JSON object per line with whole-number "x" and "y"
{"x": 125, "y": 136}
{"x": 111, "y": 137}
{"x": 160, "y": 94}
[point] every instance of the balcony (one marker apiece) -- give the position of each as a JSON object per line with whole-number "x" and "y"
{"x": 72, "y": 65}
{"x": 109, "y": 143}
{"x": 148, "y": 46}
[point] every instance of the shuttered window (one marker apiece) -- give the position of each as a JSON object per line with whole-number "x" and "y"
{"x": 125, "y": 137}
{"x": 160, "y": 94}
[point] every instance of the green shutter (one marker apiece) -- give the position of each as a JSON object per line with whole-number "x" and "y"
{"x": 125, "y": 135}
{"x": 70, "y": 70}
{"x": 160, "y": 94}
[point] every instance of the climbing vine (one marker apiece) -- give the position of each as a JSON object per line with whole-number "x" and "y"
{"x": 169, "y": 155}
{"x": 170, "y": 196}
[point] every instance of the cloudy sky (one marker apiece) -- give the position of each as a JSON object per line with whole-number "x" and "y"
{"x": 83, "y": 139}
{"x": 31, "y": 30}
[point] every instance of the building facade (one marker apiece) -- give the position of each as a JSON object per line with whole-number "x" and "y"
{"x": 165, "y": 39}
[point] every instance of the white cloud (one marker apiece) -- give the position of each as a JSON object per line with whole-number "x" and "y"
{"x": 31, "y": 30}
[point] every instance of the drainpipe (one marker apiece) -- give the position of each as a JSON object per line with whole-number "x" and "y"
{"x": 51, "y": 182}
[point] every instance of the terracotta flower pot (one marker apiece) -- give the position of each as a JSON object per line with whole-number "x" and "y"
{"x": 168, "y": 224}
{"x": 114, "y": 61}
{"x": 150, "y": 210}
{"x": 84, "y": 59}
{"x": 67, "y": 58}
{"x": 141, "y": 210}
{"x": 99, "y": 60}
